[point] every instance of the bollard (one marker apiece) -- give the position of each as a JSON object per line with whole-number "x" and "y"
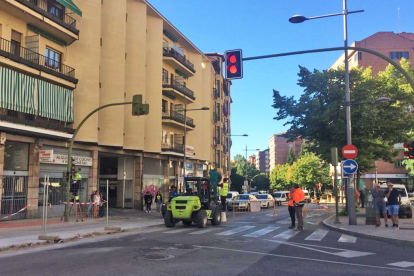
{"x": 223, "y": 217}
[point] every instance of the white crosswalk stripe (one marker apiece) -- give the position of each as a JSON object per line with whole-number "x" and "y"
{"x": 204, "y": 231}
{"x": 262, "y": 232}
{"x": 403, "y": 264}
{"x": 346, "y": 238}
{"x": 235, "y": 231}
{"x": 286, "y": 235}
{"x": 318, "y": 235}
{"x": 177, "y": 231}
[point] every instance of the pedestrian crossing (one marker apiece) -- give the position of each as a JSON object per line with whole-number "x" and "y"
{"x": 276, "y": 232}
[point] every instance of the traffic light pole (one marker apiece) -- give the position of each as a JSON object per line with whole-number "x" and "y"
{"x": 72, "y": 140}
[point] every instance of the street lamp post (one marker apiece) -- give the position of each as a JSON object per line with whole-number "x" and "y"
{"x": 245, "y": 180}
{"x": 350, "y": 188}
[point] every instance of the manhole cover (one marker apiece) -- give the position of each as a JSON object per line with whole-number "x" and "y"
{"x": 155, "y": 256}
{"x": 184, "y": 246}
{"x": 238, "y": 240}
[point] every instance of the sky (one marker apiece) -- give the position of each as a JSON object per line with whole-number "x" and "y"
{"x": 261, "y": 28}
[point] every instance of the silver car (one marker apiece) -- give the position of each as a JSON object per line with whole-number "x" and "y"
{"x": 241, "y": 202}
{"x": 266, "y": 200}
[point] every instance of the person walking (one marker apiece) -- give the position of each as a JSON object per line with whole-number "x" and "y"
{"x": 378, "y": 195}
{"x": 96, "y": 204}
{"x": 223, "y": 193}
{"x": 291, "y": 207}
{"x": 148, "y": 201}
{"x": 362, "y": 198}
{"x": 394, "y": 200}
{"x": 90, "y": 207}
{"x": 299, "y": 202}
{"x": 158, "y": 201}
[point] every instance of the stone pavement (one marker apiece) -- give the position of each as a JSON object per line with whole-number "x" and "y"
{"x": 128, "y": 220}
{"x": 404, "y": 235}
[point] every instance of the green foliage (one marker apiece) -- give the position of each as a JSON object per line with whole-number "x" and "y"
{"x": 291, "y": 158}
{"x": 240, "y": 165}
{"x": 309, "y": 169}
{"x": 261, "y": 181}
{"x": 237, "y": 181}
{"x": 319, "y": 114}
{"x": 281, "y": 177}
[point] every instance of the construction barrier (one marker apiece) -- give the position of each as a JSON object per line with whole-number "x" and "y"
{"x": 253, "y": 207}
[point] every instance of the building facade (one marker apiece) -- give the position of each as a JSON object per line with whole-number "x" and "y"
{"x": 262, "y": 161}
{"x": 279, "y": 148}
{"x": 394, "y": 46}
{"x": 51, "y": 77}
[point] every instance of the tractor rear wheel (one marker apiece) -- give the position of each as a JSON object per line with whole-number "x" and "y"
{"x": 216, "y": 215}
{"x": 187, "y": 222}
{"x": 201, "y": 219}
{"x": 169, "y": 220}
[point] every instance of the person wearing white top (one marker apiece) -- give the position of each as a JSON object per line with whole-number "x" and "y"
{"x": 96, "y": 203}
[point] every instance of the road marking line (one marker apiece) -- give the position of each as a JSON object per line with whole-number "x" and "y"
{"x": 347, "y": 264}
{"x": 318, "y": 235}
{"x": 286, "y": 235}
{"x": 262, "y": 232}
{"x": 204, "y": 231}
{"x": 403, "y": 264}
{"x": 346, "y": 238}
{"x": 177, "y": 231}
{"x": 235, "y": 231}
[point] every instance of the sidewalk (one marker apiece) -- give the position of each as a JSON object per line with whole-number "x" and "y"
{"x": 404, "y": 235}
{"x": 128, "y": 220}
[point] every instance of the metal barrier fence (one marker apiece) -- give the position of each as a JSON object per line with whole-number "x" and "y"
{"x": 260, "y": 207}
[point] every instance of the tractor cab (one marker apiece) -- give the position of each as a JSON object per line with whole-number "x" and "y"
{"x": 201, "y": 187}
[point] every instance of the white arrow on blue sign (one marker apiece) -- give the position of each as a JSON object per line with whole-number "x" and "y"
{"x": 350, "y": 166}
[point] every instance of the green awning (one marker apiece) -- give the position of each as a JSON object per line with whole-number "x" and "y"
{"x": 181, "y": 74}
{"x": 47, "y": 35}
{"x": 70, "y": 5}
{"x": 168, "y": 95}
{"x": 26, "y": 94}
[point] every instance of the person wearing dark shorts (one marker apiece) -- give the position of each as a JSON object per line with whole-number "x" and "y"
{"x": 394, "y": 200}
{"x": 379, "y": 204}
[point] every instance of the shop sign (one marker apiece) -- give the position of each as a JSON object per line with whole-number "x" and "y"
{"x": 199, "y": 170}
{"x": 189, "y": 150}
{"x": 46, "y": 156}
{"x": 61, "y": 159}
{"x": 189, "y": 169}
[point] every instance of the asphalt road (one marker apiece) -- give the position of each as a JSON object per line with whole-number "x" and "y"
{"x": 256, "y": 244}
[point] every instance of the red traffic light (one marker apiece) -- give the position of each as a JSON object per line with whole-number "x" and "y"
{"x": 234, "y": 64}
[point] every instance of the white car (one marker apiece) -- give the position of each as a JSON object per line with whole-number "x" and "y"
{"x": 241, "y": 202}
{"x": 281, "y": 197}
{"x": 266, "y": 200}
{"x": 307, "y": 196}
{"x": 405, "y": 207}
{"x": 231, "y": 195}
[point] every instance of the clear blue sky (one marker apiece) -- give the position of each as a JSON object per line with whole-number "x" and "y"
{"x": 262, "y": 27}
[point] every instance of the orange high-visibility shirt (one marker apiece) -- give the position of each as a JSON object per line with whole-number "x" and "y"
{"x": 298, "y": 197}
{"x": 290, "y": 198}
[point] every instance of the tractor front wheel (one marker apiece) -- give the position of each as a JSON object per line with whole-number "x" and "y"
{"x": 169, "y": 220}
{"x": 201, "y": 219}
{"x": 216, "y": 215}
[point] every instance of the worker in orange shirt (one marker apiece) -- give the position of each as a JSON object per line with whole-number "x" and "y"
{"x": 291, "y": 207}
{"x": 299, "y": 202}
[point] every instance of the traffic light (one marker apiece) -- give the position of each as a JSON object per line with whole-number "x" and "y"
{"x": 138, "y": 108}
{"x": 409, "y": 150}
{"x": 234, "y": 64}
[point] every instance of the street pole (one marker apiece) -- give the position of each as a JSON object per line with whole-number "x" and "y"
{"x": 350, "y": 187}
{"x": 123, "y": 185}
{"x": 185, "y": 134}
{"x": 246, "y": 170}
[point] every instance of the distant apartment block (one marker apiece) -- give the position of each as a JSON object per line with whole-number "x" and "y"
{"x": 279, "y": 148}
{"x": 262, "y": 161}
{"x": 252, "y": 160}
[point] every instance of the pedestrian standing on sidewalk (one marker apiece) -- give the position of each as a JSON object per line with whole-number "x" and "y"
{"x": 379, "y": 203}
{"x": 394, "y": 200}
{"x": 96, "y": 204}
{"x": 299, "y": 202}
{"x": 158, "y": 201}
{"x": 148, "y": 201}
{"x": 291, "y": 207}
{"x": 90, "y": 207}
{"x": 362, "y": 198}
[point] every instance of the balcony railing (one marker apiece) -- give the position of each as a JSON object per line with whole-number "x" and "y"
{"x": 171, "y": 52}
{"x": 216, "y": 93}
{"x": 178, "y": 117}
{"x": 50, "y": 10}
{"x": 216, "y": 117}
{"x": 174, "y": 147}
{"x": 171, "y": 83}
{"x": 14, "y": 51}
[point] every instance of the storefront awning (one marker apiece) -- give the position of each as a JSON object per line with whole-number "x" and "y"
{"x": 70, "y": 5}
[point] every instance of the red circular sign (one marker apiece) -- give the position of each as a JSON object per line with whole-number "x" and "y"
{"x": 349, "y": 152}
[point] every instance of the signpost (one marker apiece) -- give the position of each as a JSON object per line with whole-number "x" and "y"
{"x": 349, "y": 152}
{"x": 349, "y": 166}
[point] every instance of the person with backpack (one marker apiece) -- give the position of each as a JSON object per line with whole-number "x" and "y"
{"x": 299, "y": 202}
{"x": 148, "y": 201}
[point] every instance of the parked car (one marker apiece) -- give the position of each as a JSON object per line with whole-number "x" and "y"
{"x": 231, "y": 195}
{"x": 266, "y": 200}
{"x": 241, "y": 202}
{"x": 307, "y": 196}
{"x": 411, "y": 197}
{"x": 281, "y": 197}
{"x": 405, "y": 207}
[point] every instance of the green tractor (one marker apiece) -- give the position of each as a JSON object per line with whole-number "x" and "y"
{"x": 196, "y": 205}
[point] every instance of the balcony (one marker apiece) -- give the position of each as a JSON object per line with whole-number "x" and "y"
{"x": 15, "y": 52}
{"x": 216, "y": 93}
{"x": 176, "y": 58}
{"x": 47, "y": 15}
{"x": 173, "y": 147}
{"x": 177, "y": 118}
{"x": 216, "y": 117}
{"x": 178, "y": 89}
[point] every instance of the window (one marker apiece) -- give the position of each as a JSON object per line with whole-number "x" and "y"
{"x": 52, "y": 59}
{"x": 399, "y": 55}
{"x": 218, "y": 159}
{"x": 218, "y": 111}
{"x": 398, "y": 163}
{"x": 218, "y": 134}
{"x": 171, "y": 138}
{"x": 164, "y": 137}
{"x": 218, "y": 87}
{"x": 164, "y": 106}
{"x": 16, "y": 156}
{"x": 56, "y": 9}
{"x": 16, "y": 40}
{"x": 164, "y": 76}
{"x": 358, "y": 56}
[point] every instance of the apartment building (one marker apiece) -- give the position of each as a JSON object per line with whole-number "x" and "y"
{"x": 279, "y": 148}
{"x": 61, "y": 59}
{"x": 262, "y": 161}
{"x": 395, "y": 46}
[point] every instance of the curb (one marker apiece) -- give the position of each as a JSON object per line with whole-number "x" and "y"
{"x": 372, "y": 237}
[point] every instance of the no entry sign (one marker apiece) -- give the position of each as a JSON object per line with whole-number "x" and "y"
{"x": 349, "y": 152}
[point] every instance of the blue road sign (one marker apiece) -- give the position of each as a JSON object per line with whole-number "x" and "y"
{"x": 349, "y": 166}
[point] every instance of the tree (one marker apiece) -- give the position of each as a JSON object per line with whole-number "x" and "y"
{"x": 281, "y": 177}
{"x": 319, "y": 116}
{"x": 237, "y": 181}
{"x": 240, "y": 165}
{"x": 261, "y": 181}
{"x": 291, "y": 158}
{"x": 309, "y": 169}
